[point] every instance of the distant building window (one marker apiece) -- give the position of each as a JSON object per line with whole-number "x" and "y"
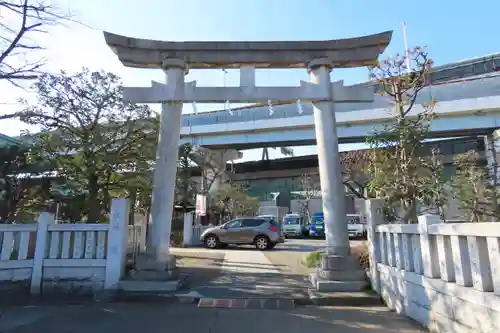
{"x": 445, "y": 149}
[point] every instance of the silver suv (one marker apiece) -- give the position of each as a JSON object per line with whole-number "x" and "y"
{"x": 264, "y": 233}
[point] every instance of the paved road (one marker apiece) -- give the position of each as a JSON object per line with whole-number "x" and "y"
{"x": 187, "y": 318}
{"x": 230, "y": 273}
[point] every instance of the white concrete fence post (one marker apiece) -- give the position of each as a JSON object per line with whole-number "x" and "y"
{"x": 428, "y": 245}
{"x": 374, "y": 219}
{"x": 40, "y": 251}
{"x": 188, "y": 229}
{"x": 117, "y": 243}
{"x": 141, "y": 221}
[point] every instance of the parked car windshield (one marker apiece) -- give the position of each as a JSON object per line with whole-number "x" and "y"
{"x": 316, "y": 220}
{"x": 291, "y": 220}
{"x": 273, "y": 222}
{"x": 353, "y": 220}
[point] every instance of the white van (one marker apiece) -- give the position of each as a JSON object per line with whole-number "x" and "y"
{"x": 294, "y": 225}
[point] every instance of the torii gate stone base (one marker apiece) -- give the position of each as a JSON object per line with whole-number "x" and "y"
{"x": 338, "y": 271}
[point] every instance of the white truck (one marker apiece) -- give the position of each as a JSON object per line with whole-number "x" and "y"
{"x": 277, "y": 212}
{"x": 356, "y": 225}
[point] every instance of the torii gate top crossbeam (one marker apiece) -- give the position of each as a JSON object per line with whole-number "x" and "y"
{"x": 350, "y": 52}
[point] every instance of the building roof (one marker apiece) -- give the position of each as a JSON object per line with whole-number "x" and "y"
{"x": 6, "y": 140}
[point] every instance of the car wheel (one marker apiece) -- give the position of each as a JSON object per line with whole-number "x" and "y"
{"x": 212, "y": 241}
{"x": 262, "y": 243}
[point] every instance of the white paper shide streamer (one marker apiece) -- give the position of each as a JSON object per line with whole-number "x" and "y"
{"x": 270, "y": 107}
{"x": 300, "y": 110}
{"x": 227, "y": 104}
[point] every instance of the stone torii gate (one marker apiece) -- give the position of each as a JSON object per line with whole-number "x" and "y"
{"x": 318, "y": 57}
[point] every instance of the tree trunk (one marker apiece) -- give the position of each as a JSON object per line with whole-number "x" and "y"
{"x": 410, "y": 211}
{"x": 494, "y": 173}
{"x": 94, "y": 203}
{"x": 133, "y": 198}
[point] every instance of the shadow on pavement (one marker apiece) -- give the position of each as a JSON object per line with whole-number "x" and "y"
{"x": 215, "y": 283}
{"x": 304, "y": 249}
{"x": 229, "y": 265}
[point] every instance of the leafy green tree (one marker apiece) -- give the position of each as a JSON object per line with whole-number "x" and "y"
{"x": 437, "y": 187}
{"x": 97, "y": 142}
{"x": 231, "y": 201}
{"x": 493, "y": 168}
{"x": 473, "y": 189}
{"x": 398, "y": 165}
{"x": 22, "y": 183}
{"x": 186, "y": 186}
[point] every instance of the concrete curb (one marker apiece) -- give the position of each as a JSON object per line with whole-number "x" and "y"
{"x": 348, "y": 299}
{"x": 166, "y": 293}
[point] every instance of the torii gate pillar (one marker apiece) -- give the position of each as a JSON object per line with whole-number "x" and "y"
{"x": 166, "y": 166}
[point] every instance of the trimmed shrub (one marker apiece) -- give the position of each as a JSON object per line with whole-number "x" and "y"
{"x": 311, "y": 259}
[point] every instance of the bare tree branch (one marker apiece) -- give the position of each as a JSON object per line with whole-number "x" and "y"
{"x": 354, "y": 164}
{"x": 310, "y": 187}
{"x": 22, "y": 21}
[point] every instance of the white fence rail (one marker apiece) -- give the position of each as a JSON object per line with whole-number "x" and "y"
{"x": 86, "y": 254}
{"x": 446, "y": 276}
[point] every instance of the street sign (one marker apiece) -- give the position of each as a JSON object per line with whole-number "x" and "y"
{"x": 201, "y": 205}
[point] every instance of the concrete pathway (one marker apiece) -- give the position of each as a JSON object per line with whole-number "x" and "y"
{"x": 247, "y": 261}
{"x": 241, "y": 272}
{"x": 187, "y": 318}
{"x": 244, "y": 272}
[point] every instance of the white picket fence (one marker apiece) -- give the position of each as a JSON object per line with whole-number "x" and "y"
{"x": 446, "y": 276}
{"x": 78, "y": 254}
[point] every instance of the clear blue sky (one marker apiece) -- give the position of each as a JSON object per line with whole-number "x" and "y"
{"x": 451, "y": 30}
